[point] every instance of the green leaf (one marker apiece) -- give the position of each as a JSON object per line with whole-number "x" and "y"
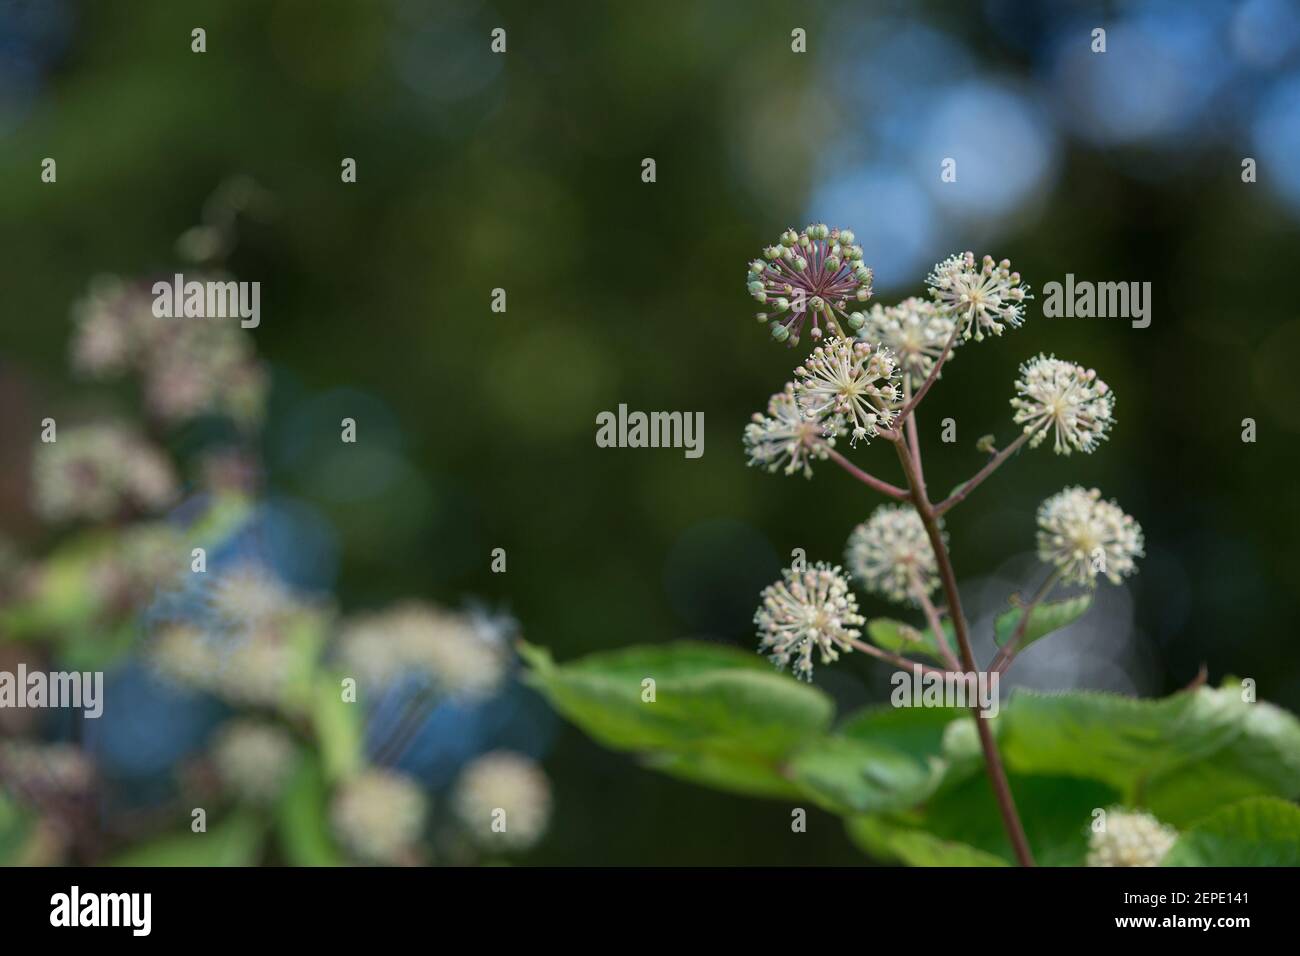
{"x": 1043, "y": 620}
{"x": 236, "y": 841}
{"x": 15, "y": 828}
{"x": 707, "y": 699}
{"x": 748, "y": 776}
{"x": 302, "y": 818}
{"x": 882, "y": 758}
{"x": 1182, "y": 756}
{"x": 1258, "y": 832}
{"x": 888, "y": 841}
{"x": 338, "y": 729}
{"x": 1055, "y": 811}
{"x": 1262, "y": 759}
{"x": 900, "y": 638}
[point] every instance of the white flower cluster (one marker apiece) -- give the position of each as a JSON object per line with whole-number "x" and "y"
{"x": 98, "y": 472}
{"x": 503, "y": 800}
{"x": 983, "y": 297}
{"x": 806, "y": 611}
{"x": 891, "y": 554}
{"x": 379, "y": 816}
{"x": 857, "y": 386}
{"x": 1130, "y": 839}
{"x": 915, "y": 330}
{"x": 254, "y": 759}
{"x": 1084, "y": 536}
{"x": 785, "y": 439}
{"x": 241, "y": 643}
{"x": 849, "y": 385}
{"x": 1066, "y": 399}
{"x": 187, "y": 368}
{"x": 450, "y": 649}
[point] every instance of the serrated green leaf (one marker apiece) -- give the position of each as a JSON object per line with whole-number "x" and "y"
{"x": 1043, "y": 620}
{"x": 1262, "y": 831}
{"x": 1181, "y": 756}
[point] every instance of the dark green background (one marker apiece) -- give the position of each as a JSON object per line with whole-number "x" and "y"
{"x": 620, "y": 291}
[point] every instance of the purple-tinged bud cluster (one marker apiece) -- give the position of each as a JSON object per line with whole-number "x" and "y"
{"x": 816, "y": 275}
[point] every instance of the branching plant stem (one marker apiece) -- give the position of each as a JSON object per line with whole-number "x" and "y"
{"x": 904, "y": 438}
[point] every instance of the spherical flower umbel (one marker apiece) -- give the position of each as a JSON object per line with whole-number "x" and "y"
{"x": 846, "y": 384}
{"x": 379, "y": 815}
{"x": 448, "y": 648}
{"x": 254, "y": 759}
{"x": 815, "y": 273}
{"x": 982, "y": 297}
{"x": 915, "y": 330}
{"x": 1066, "y": 399}
{"x": 97, "y": 472}
{"x": 805, "y": 611}
{"x": 503, "y": 800}
{"x": 188, "y": 366}
{"x": 1084, "y": 536}
{"x": 891, "y": 554}
{"x": 785, "y": 439}
{"x": 1130, "y": 838}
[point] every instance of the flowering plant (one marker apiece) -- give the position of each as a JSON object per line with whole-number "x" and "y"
{"x": 1201, "y": 777}
{"x": 245, "y": 719}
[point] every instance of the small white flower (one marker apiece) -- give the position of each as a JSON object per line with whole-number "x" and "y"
{"x": 503, "y": 781}
{"x": 891, "y": 554}
{"x": 807, "y": 610}
{"x": 1130, "y": 839}
{"x": 254, "y": 759}
{"x": 379, "y": 816}
{"x": 185, "y": 655}
{"x": 451, "y": 649}
{"x": 984, "y": 297}
{"x": 1085, "y": 536}
{"x": 97, "y": 472}
{"x": 914, "y": 330}
{"x": 785, "y": 439}
{"x": 251, "y": 594}
{"x": 1068, "y": 399}
{"x": 258, "y": 668}
{"x": 852, "y": 380}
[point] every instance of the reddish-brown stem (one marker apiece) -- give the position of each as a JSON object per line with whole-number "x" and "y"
{"x": 960, "y": 494}
{"x": 936, "y": 625}
{"x": 896, "y": 659}
{"x": 992, "y": 760}
{"x": 910, "y": 426}
{"x": 871, "y": 481}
